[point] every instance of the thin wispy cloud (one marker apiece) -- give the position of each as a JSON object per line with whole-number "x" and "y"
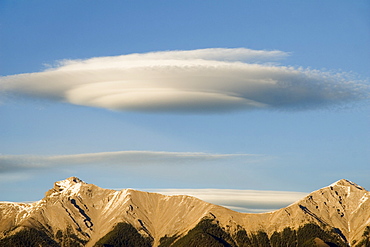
{"x": 11, "y": 163}
{"x": 248, "y": 201}
{"x": 204, "y": 80}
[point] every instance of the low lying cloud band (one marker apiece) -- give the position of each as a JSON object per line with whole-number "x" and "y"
{"x": 204, "y": 80}
{"x": 247, "y": 201}
{"x": 11, "y": 163}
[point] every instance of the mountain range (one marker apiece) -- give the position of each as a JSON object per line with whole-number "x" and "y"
{"x": 75, "y": 213}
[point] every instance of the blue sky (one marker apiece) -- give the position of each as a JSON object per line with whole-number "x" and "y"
{"x": 195, "y": 119}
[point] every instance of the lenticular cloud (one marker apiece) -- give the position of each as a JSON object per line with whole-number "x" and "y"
{"x": 204, "y": 80}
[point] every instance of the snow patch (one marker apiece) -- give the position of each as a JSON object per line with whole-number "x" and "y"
{"x": 116, "y": 199}
{"x": 363, "y": 199}
{"x": 346, "y": 183}
{"x": 349, "y": 226}
{"x": 22, "y": 210}
{"x": 338, "y": 183}
{"x": 70, "y": 185}
{"x": 348, "y": 191}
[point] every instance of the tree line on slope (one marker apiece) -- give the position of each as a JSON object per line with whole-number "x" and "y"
{"x": 365, "y": 242}
{"x": 28, "y": 237}
{"x": 124, "y": 235}
{"x": 207, "y": 233}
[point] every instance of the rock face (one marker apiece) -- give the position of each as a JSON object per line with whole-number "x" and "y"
{"x": 75, "y": 213}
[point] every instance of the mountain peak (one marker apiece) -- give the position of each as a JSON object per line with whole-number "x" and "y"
{"x": 347, "y": 183}
{"x": 71, "y": 185}
{"x": 69, "y": 182}
{"x": 74, "y": 180}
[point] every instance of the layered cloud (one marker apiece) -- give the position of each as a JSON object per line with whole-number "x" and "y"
{"x": 11, "y": 163}
{"x": 204, "y": 80}
{"x": 248, "y": 201}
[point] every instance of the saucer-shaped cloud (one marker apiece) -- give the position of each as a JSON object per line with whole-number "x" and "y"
{"x": 205, "y": 80}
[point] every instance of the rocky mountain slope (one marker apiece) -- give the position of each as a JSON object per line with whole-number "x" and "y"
{"x": 74, "y": 213}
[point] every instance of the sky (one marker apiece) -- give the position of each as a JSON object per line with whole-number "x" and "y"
{"x": 219, "y": 98}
